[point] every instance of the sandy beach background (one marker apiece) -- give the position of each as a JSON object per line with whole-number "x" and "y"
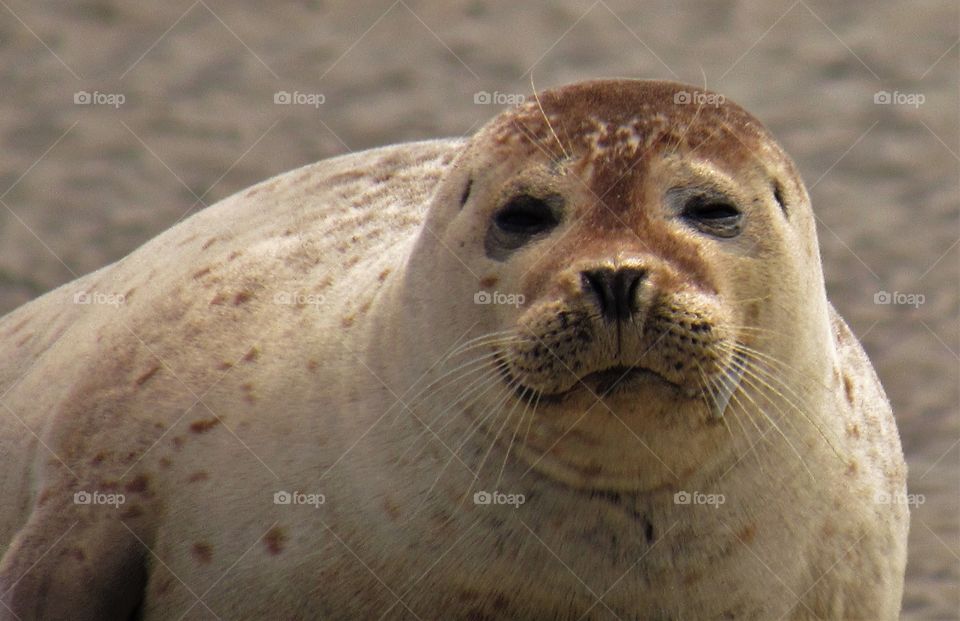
{"x": 85, "y": 179}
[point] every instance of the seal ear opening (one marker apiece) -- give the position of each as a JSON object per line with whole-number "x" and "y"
{"x": 778, "y": 195}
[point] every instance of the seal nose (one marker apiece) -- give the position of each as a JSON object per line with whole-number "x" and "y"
{"x": 614, "y": 290}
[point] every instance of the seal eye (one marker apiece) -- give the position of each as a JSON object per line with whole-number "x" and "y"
{"x": 525, "y": 215}
{"x": 713, "y": 216}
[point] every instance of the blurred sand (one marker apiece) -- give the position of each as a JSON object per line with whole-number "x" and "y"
{"x": 89, "y": 183}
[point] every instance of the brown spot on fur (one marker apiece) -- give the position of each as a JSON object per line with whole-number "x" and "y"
{"x": 202, "y": 273}
{"x": 200, "y": 475}
{"x": 747, "y": 534}
{"x": 140, "y": 381}
{"x": 129, "y": 294}
{"x": 201, "y": 426}
{"x": 275, "y": 539}
{"x": 383, "y": 275}
{"x": 203, "y": 552}
{"x": 242, "y": 297}
{"x": 177, "y": 442}
{"x": 233, "y": 255}
{"x": 312, "y": 365}
{"x": 208, "y": 243}
{"x": 392, "y": 509}
{"x": 224, "y": 366}
{"x": 139, "y": 485}
{"x": 218, "y": 300}
{"x": 132, "y": 512}
{"x": 165, "y": 463}
{"x": 251, "y": 355}
{"x": 18, "y": 327}
{"x": 248, "y": 395}
{"x": 853, "y": 430}
{"x": 488, "y": 281}
{"x": 98, "y": 459}
{"x": 852, "y": 468}
{"x": 24, "y": 340}
{"x": 848, "y": 388}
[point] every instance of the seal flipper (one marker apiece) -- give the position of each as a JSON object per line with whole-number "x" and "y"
{"x": 63, "y": 565}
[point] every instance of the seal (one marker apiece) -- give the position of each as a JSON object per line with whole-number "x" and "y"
{"x": 578, "y": 366}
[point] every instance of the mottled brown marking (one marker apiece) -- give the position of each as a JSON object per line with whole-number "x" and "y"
{"x": 393, "y": 511}
{"x": 248, "y": 395}
{"x": 139, "y": 485}
{"x": 275, "y": 540}
{"x": 488, "y": 281}
{"x": 203, "y": 552}
{"x": 252, "y": 354}
{"x": 225, "y": 366}
{"x": 347, "y": 321}
{"x": 747, "y": 534}
{"x": 202, "y": 273}
{"x": 98, "y": 459}
{"x": 208, "y": 243}
{"x": 312, "y": 365}
{"x": 848, "y": 388}
{"x": 201, "y": 426}
{"x": 853, "y": 430}
{"x": 177, "y": 442}
{"x": 383, "y": 275}
{"x": 218, "y": 300}
{"x": 129, "y": 294}
{"x": 18, "y": 327}
{"x": 242, "y": 297}
{"x": 233, "y": 255}
{"x": 131, "y": 512}
{"x": 165, "y": 463}
{"x": 140, "y": 381}
{"x": 200, "y": 475}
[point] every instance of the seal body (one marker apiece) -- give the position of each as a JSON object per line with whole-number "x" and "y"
{"x": 579, "y": 366}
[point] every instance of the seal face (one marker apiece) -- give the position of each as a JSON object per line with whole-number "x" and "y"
{"x": 604, "y": 307}
{"x": 656, "y": 247}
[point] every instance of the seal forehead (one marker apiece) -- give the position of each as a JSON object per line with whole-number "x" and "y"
{"x": 612, "y": 129}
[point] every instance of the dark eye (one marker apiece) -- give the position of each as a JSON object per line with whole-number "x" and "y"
{"x": 525, "y": 215}
{"x": 713, "y": 216}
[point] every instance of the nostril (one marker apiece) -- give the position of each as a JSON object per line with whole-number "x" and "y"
{"x": 600, "y": 283}
{"x": 615, "y": 291}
